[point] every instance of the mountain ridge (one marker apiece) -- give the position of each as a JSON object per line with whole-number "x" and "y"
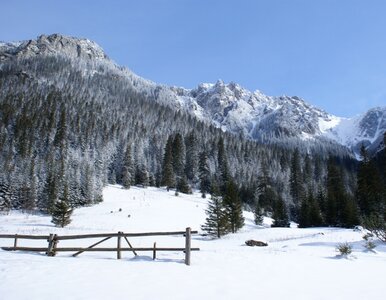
{"x": 227, "y": 106}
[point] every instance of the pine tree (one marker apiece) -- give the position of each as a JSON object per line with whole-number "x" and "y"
{"x": 178, "y": 151}
{"x": 222, "y": 164}
{"x": 142, "y": 176}
{"x": 296, "y": 183}
{"x": 191, "y": 164}
{"x": 168, "y": 177}
{"x": 315, "y": 212}
{"x": 258, "y": 214}
{"x": 216, "y": 223}
{"x": 280, "y": 214}
{"x": 5, "y": 196}
{"x": 264, "y": 193}
{"x": 349, "y": 216}
{"x": 369, "y": 186}
{"x": 204, "y": 174}
{"x": 127, "y": 169}
{"x": 61, "y": 131}
{"x": 183, "y": 186}
{"x": 233, "y": 207}
{"x": 61, "y": 214}
{"x": 334, "y": 192}
{"x": 50, "y": 192}
{"x": 304, "y": 214}
{"x": 309, "y": 215}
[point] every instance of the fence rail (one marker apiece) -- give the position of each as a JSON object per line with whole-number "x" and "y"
{"x": 54, "y": 239}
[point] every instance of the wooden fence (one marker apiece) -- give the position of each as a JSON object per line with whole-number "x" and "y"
{"x": 54, "y": 239}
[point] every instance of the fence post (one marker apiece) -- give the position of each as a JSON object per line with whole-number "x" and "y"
{"x": 119, "y": 245}
{"x": 54, "y": 244}
{"x": 50, "y": 245}
{"x": 15, "y": 242}
{"x": 187, "y": 246}
{"x": 154, "y": 251}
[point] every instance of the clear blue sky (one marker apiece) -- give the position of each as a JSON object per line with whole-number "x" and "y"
{"x": 332, "y": 53}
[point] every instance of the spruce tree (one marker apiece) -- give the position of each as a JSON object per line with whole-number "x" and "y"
{"x": 258, "y": 214}
{"x": 217, "y": 223}
{"x": 315, "y": 212}
{"x": 280, "y": 214}
{"x": 233, "y": 207}
{"x": 304, "y": 214}
{"x": 296, "y": 182}
{"x": 142, "y": 175}
{"x": 168, "y": 177}
{"x": 5, "y": 196}
{"x": 183, "y": 185}
{"x": 127, "y": 169}
{"x": 369, "y": 186}
{"x": 222, "y": 164}
{"x": 191, "y": 165}
{"x": 334, "y": 192}
{"x": 349, "y": 216}
{"x": 178, "y": 151}
{"x": 204, "y": 174}
{"x": 61, "y": 214}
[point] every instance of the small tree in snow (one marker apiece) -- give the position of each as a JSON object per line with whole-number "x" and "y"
{"x": 61, "y": 214}
{"x": 217, "y": 223}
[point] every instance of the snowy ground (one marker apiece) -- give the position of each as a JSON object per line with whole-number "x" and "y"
{"x": 297, "y": 264}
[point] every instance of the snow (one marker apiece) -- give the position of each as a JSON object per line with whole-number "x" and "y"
{"x": 297, "y": 264}
{"x": 327, "y": 123}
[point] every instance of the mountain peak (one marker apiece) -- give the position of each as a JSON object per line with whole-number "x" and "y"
{"x": 53, "y": 44}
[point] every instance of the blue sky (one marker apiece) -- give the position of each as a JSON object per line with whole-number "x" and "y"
{"x": 332, "y": 53}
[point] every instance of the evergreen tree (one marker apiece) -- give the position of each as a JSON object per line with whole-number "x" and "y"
{"x": 61, "y": 214}
{"x": 321, "y": 201}
{"x": 178, "y": 151}
{"x": 310, "y": 214}
{"x": 305, "y": 214}
{"x": 127, "y": 168}
{"x": 61, "y": 131}
{"x": 264, "y": 194}
{"x": 369, "y": 187}
{"x": 233, "y": 207}
{"x": 5, "y": 196}
{"x": 280, "y": 214}
{"x": 168, "y": 177}
{"x": 296, "y": 183}
{"x": 183, "y": 186}
{"x": 315, "y": 212}
{"x": 258, "y": 214}
{"x": 204, "y": 174}
{"x": 142, "y": 176}
{"x": 191, "y": 164}
{"x": 349, "y": 216}
{"x": 334, "y": 192}
{"x": 216, "y": 223}
{"x": 222, "y": 164}
{"x": 50, "y": 192}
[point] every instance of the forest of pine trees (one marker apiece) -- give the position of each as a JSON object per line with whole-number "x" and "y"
{"x": 66, "y": 133}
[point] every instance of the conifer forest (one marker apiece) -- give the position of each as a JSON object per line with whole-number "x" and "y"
{"x": 69, "y": 127}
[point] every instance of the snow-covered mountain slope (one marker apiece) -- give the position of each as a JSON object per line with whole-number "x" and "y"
{"x": 227, "y": 106}
{"x": 367, "y": 129}
{"x": 222, "y": 269}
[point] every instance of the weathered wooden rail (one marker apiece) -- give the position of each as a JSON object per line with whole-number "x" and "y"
{"x": 54, "y": 239}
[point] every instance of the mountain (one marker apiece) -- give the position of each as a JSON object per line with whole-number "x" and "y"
{"x": 227, "y": 106}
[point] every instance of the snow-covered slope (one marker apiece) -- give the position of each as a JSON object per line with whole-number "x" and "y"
{"x": 367, "y": 129}
{"x": 297, "y": 264}
{"x": 227, "y": 106}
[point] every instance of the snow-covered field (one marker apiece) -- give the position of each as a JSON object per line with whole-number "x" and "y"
{"x": 297, "y": 264}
